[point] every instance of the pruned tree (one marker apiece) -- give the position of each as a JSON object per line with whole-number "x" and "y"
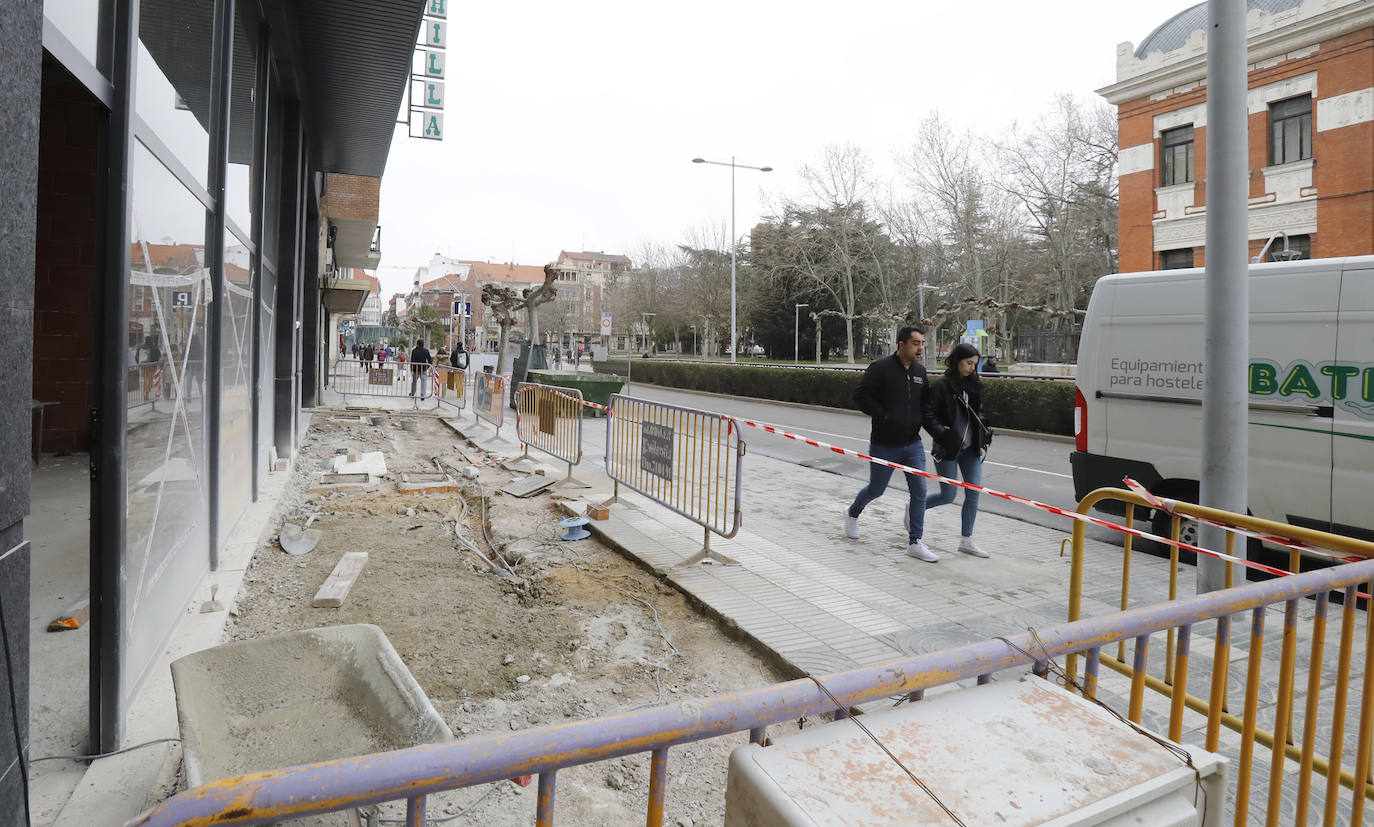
{"x": 423, "y": 323}
{"x": 505, "y": 304}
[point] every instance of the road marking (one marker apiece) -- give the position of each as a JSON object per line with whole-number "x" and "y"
{"x": 1032, "y": 470}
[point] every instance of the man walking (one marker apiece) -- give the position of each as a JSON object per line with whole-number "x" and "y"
{"x": 419, "y": 368}
{"x": 894, "y": 394}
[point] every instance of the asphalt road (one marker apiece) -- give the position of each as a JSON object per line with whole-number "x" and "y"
{"x": 1032, "y": 467}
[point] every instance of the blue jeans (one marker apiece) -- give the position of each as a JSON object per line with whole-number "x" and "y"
{"x": 912, "y": 455}
{"x": 969, "y": 467}
{"x": 417, "y": 376}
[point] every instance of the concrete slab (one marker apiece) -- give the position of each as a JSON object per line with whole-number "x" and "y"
{"x": 297, "y": 698}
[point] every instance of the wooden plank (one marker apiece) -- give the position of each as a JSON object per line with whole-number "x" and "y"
{"x": 340, "y": 581}
{"x": 74, "y": 618}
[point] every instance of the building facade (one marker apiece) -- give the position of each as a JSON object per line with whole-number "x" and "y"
{"x": 184, "y": 188}
{"x": 1311, "y": 147}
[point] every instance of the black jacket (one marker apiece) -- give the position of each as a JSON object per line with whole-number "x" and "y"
{"x": 420, "y": 355}
{"x": 898, "y": 400}
{"x": 950, "y": 411}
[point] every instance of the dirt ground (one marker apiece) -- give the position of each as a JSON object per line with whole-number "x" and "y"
{"x": 576, "y": 631}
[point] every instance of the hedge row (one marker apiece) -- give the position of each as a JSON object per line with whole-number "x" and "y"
{"x": 1019, "y": 404}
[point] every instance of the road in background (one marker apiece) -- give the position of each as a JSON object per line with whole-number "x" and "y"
{"x": 1031, "y": 467}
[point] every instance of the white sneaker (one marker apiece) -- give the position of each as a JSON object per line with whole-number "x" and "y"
{"x": 967, "y": 546}
{"x": 919, "y": 550}
{"x": 851, "y": 526}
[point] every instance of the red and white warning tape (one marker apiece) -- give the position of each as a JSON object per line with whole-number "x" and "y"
{"x": 1072, "y": 515}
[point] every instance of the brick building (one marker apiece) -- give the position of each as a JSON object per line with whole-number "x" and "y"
{"x": 1311, "y": 109}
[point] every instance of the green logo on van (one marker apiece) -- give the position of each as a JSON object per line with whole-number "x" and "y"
{"x": 1350, "y": 386}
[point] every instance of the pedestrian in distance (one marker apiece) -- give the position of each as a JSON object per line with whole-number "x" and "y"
{"x": 990, "y": 364}
{"x": 956, "y": 398}
{"x": 420, "y": 361}
{"x": 894, "y": 394}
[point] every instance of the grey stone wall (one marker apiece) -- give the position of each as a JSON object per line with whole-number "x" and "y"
{"x": 21, "y": 65}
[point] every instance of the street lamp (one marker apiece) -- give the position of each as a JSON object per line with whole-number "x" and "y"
{"x": 734, "y": 242}
{"x": 694, "y": 338}
{"x": 643, "y": 318}
{"x": 796, "y": 332}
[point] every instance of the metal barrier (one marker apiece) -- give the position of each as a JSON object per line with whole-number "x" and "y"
{"x": 450, "y": 385}
{"x": 1321, "y": 723}
{"x": 682, "y": 458}
{"x": 412, "y": 774}
{"x": 488, "y": 394}
{"x": 390, "y": 380}
{"x": 550, "y": 419}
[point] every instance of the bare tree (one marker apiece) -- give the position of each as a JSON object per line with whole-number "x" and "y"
{"x": 832, "y": 243}
{"x": 1062, "y": 172}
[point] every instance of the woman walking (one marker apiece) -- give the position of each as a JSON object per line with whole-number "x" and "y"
{"x": 957, "y": 400}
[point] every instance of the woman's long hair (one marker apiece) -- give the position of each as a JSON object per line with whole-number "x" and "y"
{"x": 971, "y": 383}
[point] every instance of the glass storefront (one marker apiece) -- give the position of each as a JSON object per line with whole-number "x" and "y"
{"x": 239, "y": 199}
{"x": 79, "y": 22}
{"x": 166, "y": 546}
{"x": 173, "y": 78}
{"x": 236, "y": 384}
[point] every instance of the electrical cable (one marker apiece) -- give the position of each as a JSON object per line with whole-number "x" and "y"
{"x": 460, "y": 813}
{"x": 14, "y": 713}
{"x": 866, "y": 731}
{"x": 100, "y": 755}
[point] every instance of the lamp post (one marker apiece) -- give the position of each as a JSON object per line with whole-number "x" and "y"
{"x": 921, "y": 299}
{"x": 796, "y": 332}
{"x": 644, "y": 319}
{"x": 734, "y": 245}
{"x": 462, "y": 320}
{"x": 694, "y": 339}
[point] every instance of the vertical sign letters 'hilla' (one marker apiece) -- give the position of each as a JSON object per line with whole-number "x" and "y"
{"x": 426, "y": 111}
{"x": 656, "y": 450}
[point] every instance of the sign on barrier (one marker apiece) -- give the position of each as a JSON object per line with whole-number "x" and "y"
{"x": 488, "y": 392}
{"x": 451, "y": 386}
{"x": 685, "y": 459}
{"x": 550, "y": 419}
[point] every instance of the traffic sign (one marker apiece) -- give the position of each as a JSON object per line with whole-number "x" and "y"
{"x": 181, "y": 299}
{"x": 606, "y": 323}
{"x": 462, "y": 308}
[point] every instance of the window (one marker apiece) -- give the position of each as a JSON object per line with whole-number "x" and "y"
{"x": 1299, "y": 247}
{"x": 1290, "y": 130}
{"x": 1177, "y": 151}
{"x": 1176, "y": 259}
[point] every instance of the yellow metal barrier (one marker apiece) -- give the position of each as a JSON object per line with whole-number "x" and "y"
{"x": 450, "y": 384}
{"x": 488, "y": 399}
{"x": 550, "y": 419}
{"x": 1323, "y": 721}
{"x": 685, "y": 459}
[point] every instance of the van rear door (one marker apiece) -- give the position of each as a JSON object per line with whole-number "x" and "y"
{"x": 1352, "y": 472}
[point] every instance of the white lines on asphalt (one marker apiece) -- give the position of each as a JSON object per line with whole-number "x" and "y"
{"x": 1024, "y": 468}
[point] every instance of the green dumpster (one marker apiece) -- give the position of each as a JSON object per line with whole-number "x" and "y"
{"x": 595, "y": 387}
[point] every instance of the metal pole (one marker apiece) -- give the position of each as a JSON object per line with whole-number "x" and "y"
{"x": 1226, "y": 299}
{"x": 734, "y": 342}
{"x": 796, "y": 332}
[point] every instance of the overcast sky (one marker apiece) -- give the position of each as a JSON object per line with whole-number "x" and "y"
{"x": 572, "y": 125}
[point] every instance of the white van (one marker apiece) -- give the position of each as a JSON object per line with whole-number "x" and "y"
{"x": 1141, "y": 371}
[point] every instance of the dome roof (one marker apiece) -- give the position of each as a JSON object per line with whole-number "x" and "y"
{"x": 1175, "y": 31}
